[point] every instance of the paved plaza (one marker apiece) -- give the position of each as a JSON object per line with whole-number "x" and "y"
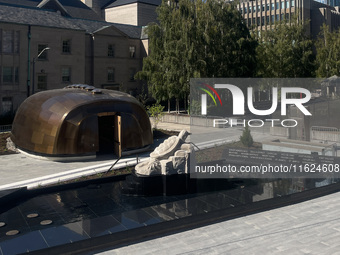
{"x": 310, "y": 227}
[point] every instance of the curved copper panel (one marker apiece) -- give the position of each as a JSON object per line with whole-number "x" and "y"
{"x": 74, "y": 121}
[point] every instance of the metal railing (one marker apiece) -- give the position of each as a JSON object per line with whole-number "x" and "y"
{"x": 325, "y": 133}
{"x": 5, "y": 128}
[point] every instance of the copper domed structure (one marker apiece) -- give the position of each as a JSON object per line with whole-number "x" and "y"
{"x": 81, "y": 120}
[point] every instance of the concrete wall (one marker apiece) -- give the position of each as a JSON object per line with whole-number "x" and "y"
{"x": 287, "y": 145}
{"x": 126, "y": 14}
{"x": 286, "y": 149}
{"x": 325, "y": 135}
{"x": 138, "y": 14}
{"x": 145, "y": 48}
{"x": 96, "y": 5}
{"x": 146, "y": 14}
{"x": 187, "y": 120}
{"x": 279, "y": 131}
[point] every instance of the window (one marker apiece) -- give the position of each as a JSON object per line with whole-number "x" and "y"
{"x": 277, "y": 5}
{"x": 267, "y": 7}
{"x": 277, "y": 17}
{"x": 16, "y": 41}
{"x": 16, "y": 74}
{"x": 259, "y": 8}
{"x": 7, "y": 74}
{"x": 254, "y": 21}
{"x": 42, "y": 82}
{"x": 262, "y": 21}
{"x": 67, "y": 46}
{"x": 41, "y": 47}
{"x": 273, "y": 6}
{"x": 250, "y": 9}
{"x": 66, "y": 74}
{"x": 287, "y": 4}
{"x": 272, "y": 18}
{"x": 132, "y": 72}
{"x": 292, "y": 4}
{"x": 267, "y": 20}
{"x": 254, "y": 8}
{"x": 287, "y": 16}
{"x": 7, "y": 41}
{"x": 262, "y": 7}
{"x": 282, "y": 4}
{"x": 241, "y": 11}
{"x": 249, "y": 22}
{"x": 110, "y": 50}
{"x": 110, "y": 74}
{"x": 282, "y": 16}
{"x": 132, "y": 49}
{"x": 245, "y": 10}
{"x": 258, "y": 21}
{"x": 7, "y": 104}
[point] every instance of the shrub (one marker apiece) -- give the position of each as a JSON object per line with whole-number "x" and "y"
{"x": 246, "y": 138}
{"x": 156, "y": 112}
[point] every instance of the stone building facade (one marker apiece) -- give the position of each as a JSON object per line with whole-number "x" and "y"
{"x": 71, "y": 50}
{"x": 131, "y": 12}
{"x": 263, "y": 14}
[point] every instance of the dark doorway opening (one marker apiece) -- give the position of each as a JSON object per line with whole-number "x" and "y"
{"x": 106, "y": 134}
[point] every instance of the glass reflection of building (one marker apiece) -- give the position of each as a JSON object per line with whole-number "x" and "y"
{"x": 329, "y": 2}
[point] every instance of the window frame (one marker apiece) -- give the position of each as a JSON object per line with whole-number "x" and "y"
{"x": 39, "y": 82}
{"x": 111, "y": 52}
{"x": 66, "y": 48}
{"x": 7, "y": 41}
{"x": 9, "y": 107}
{"x": 69, "y": 74}
{"x": 11, "y": 75}
{"x": 132, "y": 54}
{"x": 110, "y": 76}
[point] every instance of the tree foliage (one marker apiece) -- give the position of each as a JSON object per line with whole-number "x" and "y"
{"x": 285, "y": 52}
{"x": 156, "y": 112}
{"x": 328, "y": 53}
{"x": 203, "y": 38}
{"x": 246, "y": 138}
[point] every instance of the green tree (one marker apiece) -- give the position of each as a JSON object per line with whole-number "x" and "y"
{"x": 156, "y": 112}
{"x": 285, "y": 52}
{"x": 328, "y": 53}
{"x": 246, "y": 138}
{"x": 203, "y": 38}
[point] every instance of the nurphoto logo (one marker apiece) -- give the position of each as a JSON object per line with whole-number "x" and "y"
{"x": 238, "y": 99}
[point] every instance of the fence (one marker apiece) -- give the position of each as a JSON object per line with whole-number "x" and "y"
{"x": 5, "y": 128}
{"x": 325, "y": 133}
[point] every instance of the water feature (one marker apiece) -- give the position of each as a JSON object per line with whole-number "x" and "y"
{"x": 101, "y": 209}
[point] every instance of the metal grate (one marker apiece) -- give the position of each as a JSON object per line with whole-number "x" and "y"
{"x": 5, "y": 128}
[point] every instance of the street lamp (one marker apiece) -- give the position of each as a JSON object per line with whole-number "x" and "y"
{"x": 34, "y": 60}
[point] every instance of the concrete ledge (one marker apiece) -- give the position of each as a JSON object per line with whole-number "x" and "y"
{"x": 69, "y": 175}
{"x": 296, "y": 146}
